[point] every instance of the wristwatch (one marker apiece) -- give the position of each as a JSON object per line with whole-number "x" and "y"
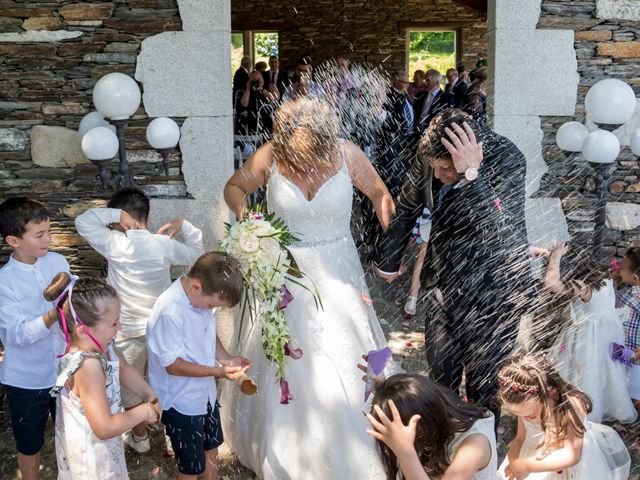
{"x": 471, "y": 174}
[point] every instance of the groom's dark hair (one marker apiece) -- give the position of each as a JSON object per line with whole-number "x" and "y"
{"x": 219, "y": 273}
{"x": 430, "y": 144}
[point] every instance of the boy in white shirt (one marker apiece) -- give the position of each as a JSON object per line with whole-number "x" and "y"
{"x": 28, "y": 326}
{"x": 184, "y": 353}
{"x": 139, "y": 269}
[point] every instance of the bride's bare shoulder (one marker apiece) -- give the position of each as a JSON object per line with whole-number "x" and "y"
{"x": 354, "y": 157}
{"x": 263, "y": 156}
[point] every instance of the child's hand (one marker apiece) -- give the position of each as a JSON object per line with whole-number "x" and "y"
{"x": 397, "y": 436}
{"x": 174, "y": 226}
{"x": 539, "y": 252}
{"x": 377, "y": 379}
{"x": 517, "y": 470}
{"x": 242, "y": 362}
{"x": 154, "y": 412}
{"x": 559, "y": 250}
{"x": 127, "y": 222}
{"x": 229, "y": 373}
{"x": 636, "y": 354}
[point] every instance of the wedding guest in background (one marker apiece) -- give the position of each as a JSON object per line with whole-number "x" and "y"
{"x": 303, "y": 83}
{"x": 475, "y": 101}
{"x": 276, "y": 76}
{"x": 254, "y": 98}
{"x": 456, "y": 87}
{"x": 240, "y": 79}
{"x": 430, "y": 102}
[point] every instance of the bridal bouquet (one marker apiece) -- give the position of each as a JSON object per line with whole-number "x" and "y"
{"x": 259, "y": 242}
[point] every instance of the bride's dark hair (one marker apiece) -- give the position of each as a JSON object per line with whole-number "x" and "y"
{"x": 442, "y": 415}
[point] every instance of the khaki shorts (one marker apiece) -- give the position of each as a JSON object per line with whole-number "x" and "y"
{"x": 134, "y": 351}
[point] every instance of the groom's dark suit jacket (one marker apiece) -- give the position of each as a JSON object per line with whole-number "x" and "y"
{"x": 478, "y": 252}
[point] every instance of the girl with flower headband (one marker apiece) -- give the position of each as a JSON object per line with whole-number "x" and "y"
{"x": 554, "y": 440}
{"x": 90, "y": 419}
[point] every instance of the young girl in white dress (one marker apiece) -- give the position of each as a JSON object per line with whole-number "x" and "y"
{"x": 425, "y": 431}
{"x": 554, "y": 440}
{"x": 586, "y": 299}
{"x": 90, "y": 420}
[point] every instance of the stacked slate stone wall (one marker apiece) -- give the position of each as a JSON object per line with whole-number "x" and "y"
{"x": 605, "y": 48}
{"x": 51, "y": 55}
{"x": 366, "y": 31}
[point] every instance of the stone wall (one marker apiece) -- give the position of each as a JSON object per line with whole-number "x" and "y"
{"x": 51, "y": 55}
{"x": 366, "y": 31}
{"x": 607, "y": 44}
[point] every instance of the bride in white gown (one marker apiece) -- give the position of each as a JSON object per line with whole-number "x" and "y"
{"x": 321, "y": 433}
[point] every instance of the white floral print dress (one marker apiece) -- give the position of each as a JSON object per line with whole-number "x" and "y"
{"x": 80, "y": 453}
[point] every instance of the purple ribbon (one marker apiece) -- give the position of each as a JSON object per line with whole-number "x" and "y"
{"x": 620, "y": 353}
{"x": 286, "y": 297}
{"x": 285, "y": 396}
{"x": 294, "y": 353}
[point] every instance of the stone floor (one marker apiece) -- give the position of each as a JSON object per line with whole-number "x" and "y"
{"x": 409, "y": 347}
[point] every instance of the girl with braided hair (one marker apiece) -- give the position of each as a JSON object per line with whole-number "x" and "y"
{"x": 90, "y": 420}
{"x": 554, "y": 440}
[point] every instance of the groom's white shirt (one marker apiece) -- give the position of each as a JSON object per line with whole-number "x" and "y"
{"x": 178, "y": 330}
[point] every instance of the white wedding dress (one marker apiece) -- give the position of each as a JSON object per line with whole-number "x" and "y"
{"x": 321, "y": 433}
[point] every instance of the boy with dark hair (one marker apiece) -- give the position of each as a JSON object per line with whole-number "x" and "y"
{"x": 184, "y": 353}
{"x": 133, "y": 201}
{"x": 28, "y": 327}
{"x": 139, "y": 268}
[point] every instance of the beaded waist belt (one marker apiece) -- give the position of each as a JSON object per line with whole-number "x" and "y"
{"x": 318, "y": 243}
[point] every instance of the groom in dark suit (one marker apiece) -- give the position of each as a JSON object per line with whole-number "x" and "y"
{"x": 477, "y": 266}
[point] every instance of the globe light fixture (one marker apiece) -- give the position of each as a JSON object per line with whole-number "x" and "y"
{"x": 601, "y": 147}
{"x": 100, "y": 145}
{"x": 163, "y": 134}
{"x": 116, "y": 97}
{"x": 93, "y": 120}
{"x": 571, "y": 136}
{"x": 609, "y": 104}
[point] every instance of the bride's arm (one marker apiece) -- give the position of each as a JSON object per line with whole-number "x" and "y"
{"x": 247, "y": 179}
{"x": 366, "y": 179}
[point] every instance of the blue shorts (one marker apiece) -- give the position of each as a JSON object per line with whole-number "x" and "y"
{"x": 193, "y": 435}
{"x": 29, "y": 412}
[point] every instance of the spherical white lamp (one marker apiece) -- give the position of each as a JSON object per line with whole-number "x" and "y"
{"x": 116, "y": 96}
{"x": 163, "y": 133}
{"x": 571, "y": 135}
{"x": 92, "y": 120}
{"x": 100, "y": 143}
{"x": 634, "y": 143}
{"x": 601, "y": 146}
{"x": 610, "y": 102}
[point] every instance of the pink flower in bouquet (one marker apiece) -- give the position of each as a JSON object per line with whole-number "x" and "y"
{"x": 294, "y": 353}
{"x": 285, "y": 396}
{"x": 286, "y": 297}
